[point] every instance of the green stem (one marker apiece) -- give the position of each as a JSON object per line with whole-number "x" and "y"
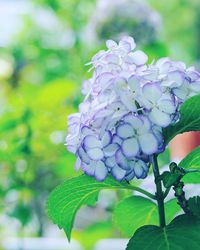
{"x": 140, "y": 190}
{"x": 166, "y": 192}
{"x": 159, "y": 192}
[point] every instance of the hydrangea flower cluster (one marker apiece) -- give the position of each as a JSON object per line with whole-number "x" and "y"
{"x": 126, "y": 105}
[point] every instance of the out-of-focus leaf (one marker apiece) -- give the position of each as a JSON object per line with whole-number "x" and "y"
{"x": 192, "y": 162}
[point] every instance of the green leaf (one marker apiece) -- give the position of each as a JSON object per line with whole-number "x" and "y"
{"x": 192, "y": 162}
{"x": 69, "y": 196}
{"x": 171, "y": 210}
{"x": 136, "y": 211}
{"x": 194, "y": 205}
{"x": 181, "y": 234}
{"x": 189, "y": 120}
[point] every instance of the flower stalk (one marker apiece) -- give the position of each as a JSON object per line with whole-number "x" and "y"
{"x": 159, "y": 193}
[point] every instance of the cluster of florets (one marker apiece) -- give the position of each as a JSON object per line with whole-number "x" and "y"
{"x": 127, "y": 104}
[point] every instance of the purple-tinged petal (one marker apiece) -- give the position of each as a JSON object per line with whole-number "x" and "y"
{"x": 91, "y": 141}
{"x": 167, "y": 106}
{"x": 194, "y": 75}
{"x": 83, "y": 155}
{"x": 95, "y": 154}
{"x": 195, "y": 86}
{"x": 133, "y": 120}
{"x": 84, "y": 107}
{"x": 181, "y": 93}
{"x": 112, "y": 58}
{"x": 86, "y": 87}
{"x": 97, "y": 123}
{"x": 110, "y": 162}
{"x": 130, "y": 176}
{"x": 159, "y": 118}
{"x": 101, "y": 171}
{"x": 103, "y": 113}
{"x": 85, "y": 130}
{"x": 118, "y": 173}
{"x": 134, "y": 83}
{"x": 98, "y": 56}
{"x": 165, "y": 67}
{"x": 139, "y": 57}
{"x": 146, "y": 124}
{"x": 77, "y": 164}
{"x": 130, "y": 147}
{"x": 121, "y": 160}
{"x": 125, "y": 130}
{"x": 152, "y": 92}
{"x": 88, "y": 169}
{"x": 116, "y": 139}
{"x": 74, "y": 118}
{"x": 125, "y": 46}
{"x": 175, "y": 78}
{"x": 71, "y": 149}
{"x": 106, "y": 139}
{"x": 138, "y": 170}
{"x": 71, "y": 142}
{"x": 104, "y": 78}
{"x": 110, "y": 44}
{"x": 148, "y": 143}
{"x": 129, "y": 40}
{"x": 128, "y": 100}
{"x": 110, "y": 150}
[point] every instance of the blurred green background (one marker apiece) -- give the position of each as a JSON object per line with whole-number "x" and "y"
{"x": 44, "y": 46}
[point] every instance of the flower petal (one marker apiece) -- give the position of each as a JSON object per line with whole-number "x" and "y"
{"x": 110, "y": 150}
{"x": 77, "y": 164}
{"x": 138, "y": 169}
{"x": 175, "y": 78}
{"x": 148, "y": 143}
{"x": 182, "y": 92}
{"x": 88, "y": 169}
{"x": 139, "y": 57}
{"x": 101, "y": 171}
{"x": 130, "y": 147}
{"x": 152, "y": 92}
{"x": 135, "y": 121}
{"x": 95, "y": 154}
{"x": 116, "y": 139}
{"x": 125, "y": 130}
{"x": 159, "y": 118}
{"x": 121, "y": 160}
{"x": 110, "y": 44}
{"x": 83, "y": 155}
{"x": 110, "y": 162}
{"x": 106, "y": 139}
{"x": 91, "y": 141}
{"x": 130, "y": 176}
{"x": 130, "y": 40}
{"x": 128, "y": 100}
{"x": 167, "y": 106}
{"x": 104, "y": 78}
{"x": 195, "y": 86}
{"x": 134, "y": 83}
{"x": 118, "y": 173}
{"x": 85, "y": 130}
